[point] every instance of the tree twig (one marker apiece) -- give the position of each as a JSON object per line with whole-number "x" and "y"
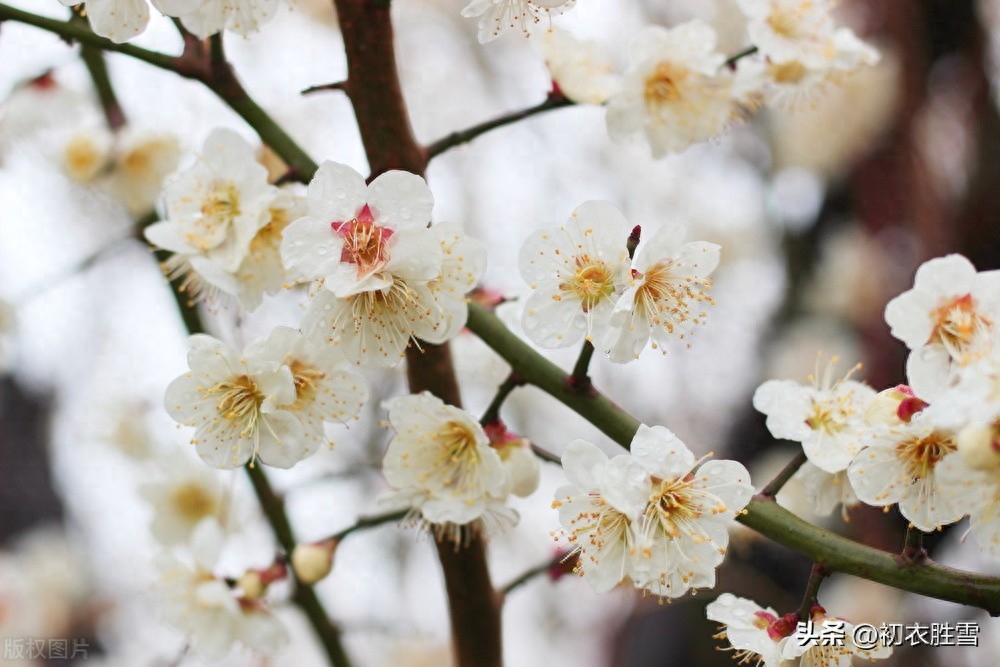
{"x": 553, "y": 101}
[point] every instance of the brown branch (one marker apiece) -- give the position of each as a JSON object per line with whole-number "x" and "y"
{"x": 373, "y": 87}
{"x": 555, "y": 100}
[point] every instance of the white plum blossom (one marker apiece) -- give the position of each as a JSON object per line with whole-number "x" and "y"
{"x": 463, "y": 263}
{"x": 214, "y": 210}
{"x": 654, "y": 516}
{"x": 972, "y": 482}
{"x": 669, "y": 288}
{"x": 441, "y": 464}
{"x": 754, "y": 632}
{"x": 600, "y": 510}
{"x": 577, "y": 272}
{"x": 373, "y": 328}
{"x": 826, "y": 417}
{"x": 948, "y": 320}
{"x": 812, "y": 648}
{"x": 684, "y": 528}
{"x": 360, "y": 238}
{"x": 323, "y": 392}
{"x": 86, "y": 154}
{"x": 262, "y": 270}
{"x": 581, "y": 69}
{"x": 183, "y": 496}
{"x": 790, "y": 30}
{"x": 204, "y": 607}
{"x": 121, "y": 20}
{"x": 675, "y": 90}
{"x": 498, "y": 15}
{"x": 244, "y": 17}
{"x": 142, "y": 161}
{"x": 825, "y": 491}
{"x": 899, "y": 465}
{"x": 801, "y": 50}
{"x": 240, "y": 407}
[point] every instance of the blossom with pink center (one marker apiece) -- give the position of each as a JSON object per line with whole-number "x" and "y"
{"x": 360, "y": 238}
{"x": 948, "y": 320}
{"x": 754, "y": 632}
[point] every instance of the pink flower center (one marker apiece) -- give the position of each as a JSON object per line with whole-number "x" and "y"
{"x": 365, "y": 243}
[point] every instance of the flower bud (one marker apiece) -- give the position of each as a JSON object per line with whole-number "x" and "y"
{"x": 518, "y": 460}
{"x": 254, "y": 583}
{"x": 893, "y": 406}
{"x": 312, "y": 562}
{"x": 979, "y": 446}
{"x": 251, "y": 585}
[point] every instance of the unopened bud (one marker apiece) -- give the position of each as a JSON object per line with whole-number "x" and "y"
{"x": 251, "y": 585}
{"x": 893, "y": 406}
{"x": 254, "y": 583}
{"x": 979, "y": 446}
{"x": 312, "y": 562}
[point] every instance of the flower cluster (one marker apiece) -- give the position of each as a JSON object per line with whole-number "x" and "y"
{"x": 121, "y": 20}
{"x": 800, "y": 47}
{"x": 677, "y": 90}
{"x": 268, "y": 404}
{"x": 212, "y": 612}
{"x": 585, "y": 285}
{"x": 381, "y": 277}
{"x": 444, "y": 466}
{"x": 931, "y": 447}
{"x": 656, "y": 517}
{"x": 224, "y": 223}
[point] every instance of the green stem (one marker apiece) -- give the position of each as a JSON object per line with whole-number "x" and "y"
{"x": 492, "y": 413}
{"x": 772, "y": 488}
{"x": 579, "y": 381}
{"x": 93, "y": 59}
{"x": 913, "y": 544}
{"x": 304, "y": 596}
{"x": 839, "y": 554}
{"x": 735, "y": 58}
{"x": 536, "y": 370}
{"x": 553, "y": 101}
{"x": 81, "y": 33}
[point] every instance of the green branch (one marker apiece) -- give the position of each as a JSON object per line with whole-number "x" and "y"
{"x": 536, "y": 370}
{"x": 304, "y": 596}
{"x": 75, "y": 32}
{"x": 840, "y": 554}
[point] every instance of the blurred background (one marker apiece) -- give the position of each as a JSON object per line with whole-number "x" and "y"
{"x": 823, "y": 212}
